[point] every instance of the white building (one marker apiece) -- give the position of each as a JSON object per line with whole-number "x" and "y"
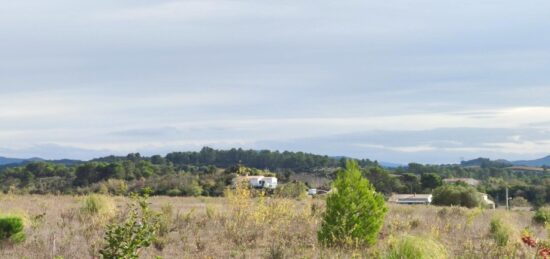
{"x": 411, "y": 198}
{"x": 260, "y": 181}
{"x": 487, "y": 202}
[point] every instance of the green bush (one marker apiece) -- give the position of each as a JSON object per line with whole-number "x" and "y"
{"x": 499, "y": 232}
{"x": 173, "y": 192}
{"x": 456, "y": 195}
{"x": 520, "y": 202}
{"x": 355, "y": 211}
{"x": 293, "y": 190}
{"x": 11, "y": 227}
{"x": 96, "y": 207}
{"x": 542, "y": 215}
{"x": 125, "y": 240}
{"x": 411, "y": 247}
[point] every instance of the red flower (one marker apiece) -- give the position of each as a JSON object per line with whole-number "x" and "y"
{"x": 529, "y": 240}
{"x": 544, "y": 253}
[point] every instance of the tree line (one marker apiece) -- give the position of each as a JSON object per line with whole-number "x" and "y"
{"x": 210, "y": 171}
{"x": 207, "y": 172}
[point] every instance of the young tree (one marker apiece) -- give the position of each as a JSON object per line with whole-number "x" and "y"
{"x": 355, "y": 211}
{"x": 430, "y": 181}
{"x": 456, "y": 195}
{"x": 411, "y": 182}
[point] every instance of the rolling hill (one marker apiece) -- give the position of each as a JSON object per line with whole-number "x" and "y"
{"x": 8, "y": 160}
{"x": 545, "y": 161}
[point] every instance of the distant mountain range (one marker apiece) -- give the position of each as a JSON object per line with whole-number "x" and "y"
{"x": 8, "y": 161}
{"x": 545, "y": 161}
{"x": 381, "y": 163}
{"x": 485, "y": 162}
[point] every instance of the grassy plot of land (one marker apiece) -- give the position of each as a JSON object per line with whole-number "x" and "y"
{"x": 73, "y": 227}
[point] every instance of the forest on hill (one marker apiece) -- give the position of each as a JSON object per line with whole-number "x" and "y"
{"x": 209, "y": 171}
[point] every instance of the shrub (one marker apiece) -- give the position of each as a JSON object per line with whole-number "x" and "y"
{"x": 173, "y": 192}
{"x": 192, "y": 189}
{"x": 499, "y": 232}
{"x": 456, "y": 195}
{"x": 11, "y": 227}
{"x": 542, "y": 216}
{"x": 294, "y": 190}
{"x": 99, "y": 207}
{"x": 520, "y": 202}
{"x": 242, "y": 229}
{"x": 117, "y": 187}
{"x": 138, "y": 231}
{"x": 355, "y": 211}
{"x": 411, "y": 247}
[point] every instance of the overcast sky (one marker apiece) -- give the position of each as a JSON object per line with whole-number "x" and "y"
{"x": 427, "y": 81}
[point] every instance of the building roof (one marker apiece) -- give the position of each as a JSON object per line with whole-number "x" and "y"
{"x": 250, "y": 177}
{"x": 256, "y": 177}
{"x": 401, "y": 197}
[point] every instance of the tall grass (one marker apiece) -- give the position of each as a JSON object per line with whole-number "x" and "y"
{"x": 98, "y": 207}
{"x": 257, "y": 227}
{"x": 413, "y": 247}
{"x": 499, "y": 232}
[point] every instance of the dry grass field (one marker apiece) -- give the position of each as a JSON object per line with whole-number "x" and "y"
{"x": 234, "y": 227}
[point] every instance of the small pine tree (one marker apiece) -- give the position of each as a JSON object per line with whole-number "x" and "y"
{"x": 139, "y": 230}
{"x": 355, "y": 211}
{"x": 11, "y": 227}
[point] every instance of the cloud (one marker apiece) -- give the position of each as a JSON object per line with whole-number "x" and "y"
{"x": 198, "y": 10}
{"x": 405, "y": 149}
{"x": 386, "y": 80}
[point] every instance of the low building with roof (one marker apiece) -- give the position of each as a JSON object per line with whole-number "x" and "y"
{"x": 487, "y": 202}
{"x": 411, "y": 198}
{"x": 259, "y": 181}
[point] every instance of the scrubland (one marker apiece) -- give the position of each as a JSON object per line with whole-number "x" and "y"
{"x": 238, "y": 226}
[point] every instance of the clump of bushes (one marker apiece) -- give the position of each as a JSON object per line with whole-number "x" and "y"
{"x": 456, "y": 195}
{"x": 99, "y": 207}
{"x": 293, "y": 190}
{"x": 499, "y": 232}
{"x": 252, "y": 217}
{"x": 542, "y": 216}
{"x": 11, "y": 228}
{"x": 354, "y": 211}
{"x": 412, "y": 247}
{"x": 520, "y": 202}
{"x": 138, "y": 231}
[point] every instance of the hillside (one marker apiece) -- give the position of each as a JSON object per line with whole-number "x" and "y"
{"x": 486, "y": 162}
{"x": 545, "y": 161}
{"x": 7, "y": 160}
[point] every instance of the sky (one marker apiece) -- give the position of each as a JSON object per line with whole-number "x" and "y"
{"x": 428, "y": 81}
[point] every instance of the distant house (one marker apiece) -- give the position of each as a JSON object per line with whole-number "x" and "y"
{"x": 487, "y": 202}
{"x": 411, "y": 198}
{"x": 469, "y": 181}
{"x": 259, "y": 181}
{"x": 318, "y": 191}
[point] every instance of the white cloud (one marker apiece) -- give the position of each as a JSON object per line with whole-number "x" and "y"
{"x": 243, "y": 72}
{"x": 199, "y": 10}
{"x": 405, "y": 149}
